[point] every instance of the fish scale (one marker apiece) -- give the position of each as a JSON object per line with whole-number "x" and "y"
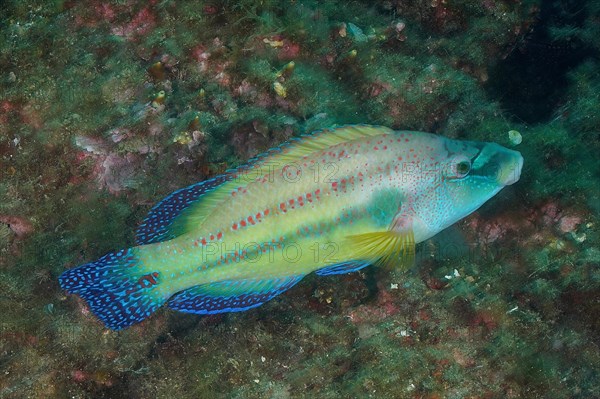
{"x": 332, "y": 202}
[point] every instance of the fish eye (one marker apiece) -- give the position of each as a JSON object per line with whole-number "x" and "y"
{"x": 463, "y": 168}
{"x": 459, "y": 167}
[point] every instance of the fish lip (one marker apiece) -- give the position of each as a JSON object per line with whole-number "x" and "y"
{"x": 511, "y": 175}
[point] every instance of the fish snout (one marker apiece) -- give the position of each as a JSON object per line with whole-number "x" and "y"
{"x": 511, "y": 166}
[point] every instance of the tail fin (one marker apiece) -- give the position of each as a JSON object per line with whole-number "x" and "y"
{"x": 114, "y": 289}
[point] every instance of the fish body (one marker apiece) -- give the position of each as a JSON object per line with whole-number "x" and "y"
{"x": 331, "y": 203}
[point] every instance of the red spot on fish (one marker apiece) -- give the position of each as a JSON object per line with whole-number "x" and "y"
{"x": 282, "y": 207}
{"x": 376, "y": 148}
{"x": 266, "y": 212}
{"x": 219, "y": 235}
{"x": 235, "y": 226}
{"x": 251, "y": 220}
{"x": 203, "y": 241}
{"x": 148, "y": 280}
{"x": 212, "y": 237}
{"x": 334, "y": 186}
{"x": 385, "y": 147}
{"x": 243, "y": 223}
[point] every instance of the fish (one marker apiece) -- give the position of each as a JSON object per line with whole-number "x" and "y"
{"x": 332, "y": 202}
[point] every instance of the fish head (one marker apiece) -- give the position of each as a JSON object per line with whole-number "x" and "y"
{"x": 474, "y": 172}
{"x": 470, "y": 173}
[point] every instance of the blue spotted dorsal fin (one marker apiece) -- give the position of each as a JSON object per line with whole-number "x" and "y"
{"x": 342, "y": 268}
{"x": 156, "y": 226}
{"x": 230, "y": 295}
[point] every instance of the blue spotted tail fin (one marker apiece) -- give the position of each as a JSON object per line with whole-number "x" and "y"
{"x": 117, "y": 293}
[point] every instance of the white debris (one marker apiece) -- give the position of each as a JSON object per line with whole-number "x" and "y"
{"x": 453, "y": 275}
{"x": 515, "y": 137}
{"x": 357, "y": 33}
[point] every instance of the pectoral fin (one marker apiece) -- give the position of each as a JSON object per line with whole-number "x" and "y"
{"x": 390, "y": 248}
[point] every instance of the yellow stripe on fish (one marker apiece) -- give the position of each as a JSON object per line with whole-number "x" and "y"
{"x": 332, "y": 202}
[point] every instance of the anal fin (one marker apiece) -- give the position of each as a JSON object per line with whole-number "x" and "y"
{"x": 342, "y": 268}
{"x": 230, "y": 295}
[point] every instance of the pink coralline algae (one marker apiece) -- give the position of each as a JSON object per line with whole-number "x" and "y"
{"x": 113, "y": 171}
{"x": 201, "y": 55}
{"x": 209, "y": 59}
{"x": 565, "y": 221}
{"x": 569, "y": 223}
{"x": 116, "y": 172}
{"x": 383, "y": 308}
{"x": 140, "y": 24}
{"x": 20, "y": 226}
{"x": 535, "y": 226}
{"x": 289, "y": 51}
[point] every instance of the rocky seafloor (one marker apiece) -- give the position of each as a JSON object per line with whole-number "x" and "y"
{"x": 106, "y": 107}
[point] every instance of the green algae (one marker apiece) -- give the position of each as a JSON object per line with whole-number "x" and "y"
{"x": 518, "y": 320}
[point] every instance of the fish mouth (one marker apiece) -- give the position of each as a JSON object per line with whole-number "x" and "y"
{"x": 512, "y": 164}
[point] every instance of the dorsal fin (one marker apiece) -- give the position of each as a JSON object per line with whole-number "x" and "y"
{"x": 156, "y": 227}
{"x": 187, "y": 208}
